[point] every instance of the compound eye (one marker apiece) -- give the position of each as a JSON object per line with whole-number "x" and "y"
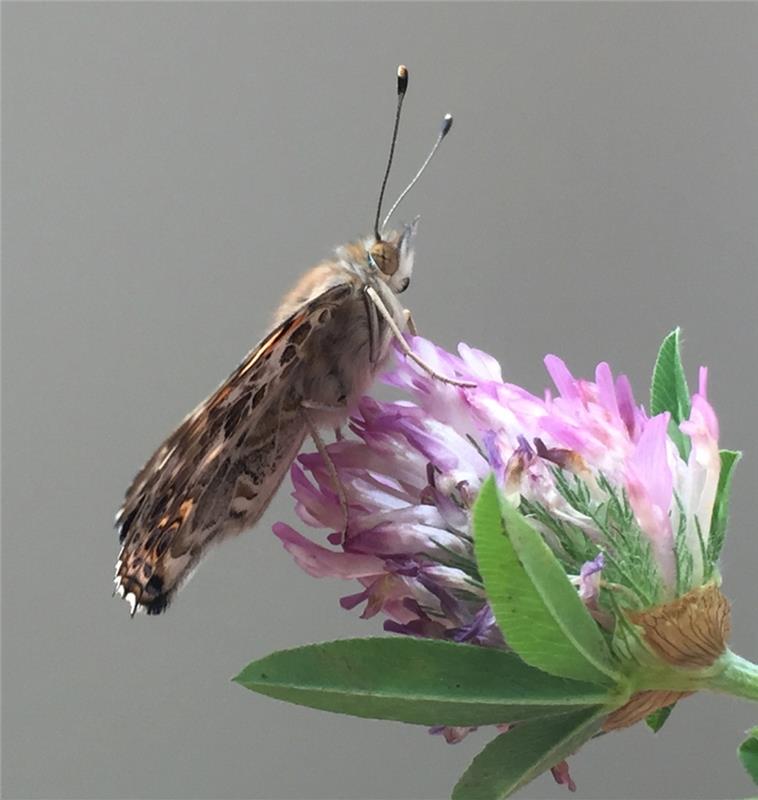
{"x": 385, "y": 257}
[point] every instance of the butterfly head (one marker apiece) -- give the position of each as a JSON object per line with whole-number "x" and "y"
{"x": 390, "y": 254}
{"x": 392, "y": 257}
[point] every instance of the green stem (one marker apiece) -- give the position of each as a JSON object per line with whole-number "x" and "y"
{"x": 739, "y": 677}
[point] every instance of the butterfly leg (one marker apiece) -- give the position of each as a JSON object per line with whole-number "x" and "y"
{"x": 372, "y": 319}
{"x": 339, "y": 487}
{"x": 405, "y": 347}
{"x": 409, "y": 323}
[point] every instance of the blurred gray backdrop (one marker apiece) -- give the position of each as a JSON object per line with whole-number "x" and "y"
{"x": 169, "y": 169}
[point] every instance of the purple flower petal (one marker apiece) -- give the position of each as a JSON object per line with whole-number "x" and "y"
{"x": 320, "y": 562}
{"x": 589, "y": 580}
{"x": 489, "y": 440}
{"x": 482, "y": 366}
{"x": 606, "y": 389}
{"x": 564, "y": 381}
{"x": 452, "y": 735}
{"x": 562, "y": 776}
{"x": 650, "y": 488}
{"x": 627, "y": 410}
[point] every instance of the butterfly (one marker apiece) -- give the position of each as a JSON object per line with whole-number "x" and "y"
{"x": 214, "y": 476}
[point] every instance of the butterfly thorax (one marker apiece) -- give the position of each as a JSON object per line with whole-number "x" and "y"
{"x": 350, "y": 341}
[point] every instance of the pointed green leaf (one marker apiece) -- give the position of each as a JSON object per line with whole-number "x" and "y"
{"x": 720, "y": 518}
{"x": 535, "y": 605}
{"x": 657, "y": 719}
{"x": 748, "y": 753}
{"x": 669, "y": 391}
{"x": 514, "y": 758}
{"x": 421, "y": 681}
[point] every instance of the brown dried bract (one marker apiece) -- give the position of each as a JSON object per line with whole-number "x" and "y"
{"x": 640, "y": 706}
{"x": 690, "y": 632}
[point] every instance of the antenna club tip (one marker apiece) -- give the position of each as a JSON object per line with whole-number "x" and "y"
{"x": 447, "y": 123}
{"x": 402, "y": 79}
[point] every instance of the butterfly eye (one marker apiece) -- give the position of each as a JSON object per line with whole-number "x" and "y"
{"x": 385, "y": 256}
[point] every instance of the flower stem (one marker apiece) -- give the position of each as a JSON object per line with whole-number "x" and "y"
{"x": 739, "y": 677}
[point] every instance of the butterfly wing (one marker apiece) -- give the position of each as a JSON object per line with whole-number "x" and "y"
{"x": 217, "y": 472}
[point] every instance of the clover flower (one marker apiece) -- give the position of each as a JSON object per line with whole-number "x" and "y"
{"x": 622, "y": 502}
{"x": 551, "y": 561}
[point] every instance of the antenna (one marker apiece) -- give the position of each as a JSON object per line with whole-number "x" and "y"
{"x": 402, "y": 86}
{"x": 447, "y": 123}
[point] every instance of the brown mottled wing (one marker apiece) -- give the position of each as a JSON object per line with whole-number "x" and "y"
{"x": 216, "y": 473}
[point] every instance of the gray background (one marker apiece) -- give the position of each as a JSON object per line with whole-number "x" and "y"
{"x": 170, "y": 169}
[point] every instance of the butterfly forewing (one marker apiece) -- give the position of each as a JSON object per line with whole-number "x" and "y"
{"x": 217, "y": 472}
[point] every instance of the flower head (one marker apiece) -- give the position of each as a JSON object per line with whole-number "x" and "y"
{"x": 606, "y": 522}
{"x": 601, "y": 479}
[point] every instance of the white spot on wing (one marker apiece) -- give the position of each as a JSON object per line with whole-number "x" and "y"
{"x": 166, "y": 458}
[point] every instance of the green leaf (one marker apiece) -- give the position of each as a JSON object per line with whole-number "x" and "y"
{"x": 669, "y": 391}
{"x": 748, "y": 753}
{"x": 720, "y": 518}
{"x": 421, "y": 681}
{"x": 657, "y": 719}
{"x": 514, "y": 758}
{"x": 535, "y": 605}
